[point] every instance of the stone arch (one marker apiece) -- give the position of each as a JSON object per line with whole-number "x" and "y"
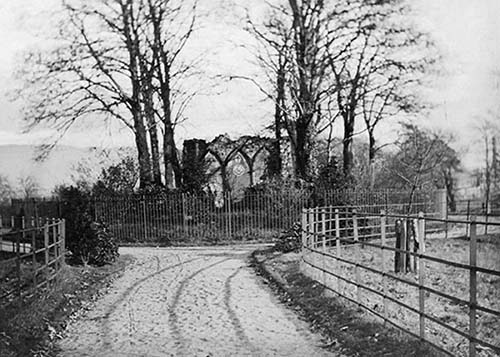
{"x": 246, "y": 150}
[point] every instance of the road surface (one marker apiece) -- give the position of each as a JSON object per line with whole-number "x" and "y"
{"x": 189, "y": 302}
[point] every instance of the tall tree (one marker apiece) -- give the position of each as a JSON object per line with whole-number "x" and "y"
{"x": 294, "y": 56}
{"x": 273, "y": 57}
{"x": 377, "y": 59}
{"x": 423, "y": 160}
{"x": 345, "y": 59}
{"x": 117, "y": 59}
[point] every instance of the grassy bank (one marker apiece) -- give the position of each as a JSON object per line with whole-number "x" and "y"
{"x": 31, "y": 327}
{"x": 349, "y": 330}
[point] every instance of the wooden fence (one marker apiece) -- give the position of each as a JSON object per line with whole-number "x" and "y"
{"x": 255, "y": 216}
{"x": 449, "y": 301}
{"x": 31, "y": 257}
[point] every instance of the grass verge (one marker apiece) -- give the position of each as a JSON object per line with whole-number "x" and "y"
{"x": 31, "y": 327}
{"x": 349, "y": 330}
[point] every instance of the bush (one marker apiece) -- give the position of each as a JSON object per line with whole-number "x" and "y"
{"x": 97, "y": 246}
{"x": 290, "y": 240}
{"x": 89, "y": 241}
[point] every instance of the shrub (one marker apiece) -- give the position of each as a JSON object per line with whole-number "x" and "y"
{"x": 290, "y": 240}
{"x": 89, "y": 241}
{"x": 97, "y": 246}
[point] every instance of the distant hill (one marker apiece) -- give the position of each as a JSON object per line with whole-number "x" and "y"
{"x": 60, "y": 167}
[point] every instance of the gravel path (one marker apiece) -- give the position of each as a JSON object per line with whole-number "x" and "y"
{"x": 189, "y": 302}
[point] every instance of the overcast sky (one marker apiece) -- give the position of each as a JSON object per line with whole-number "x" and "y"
{"x": 467, "y": 32}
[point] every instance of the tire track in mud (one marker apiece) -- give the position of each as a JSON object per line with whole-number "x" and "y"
{"x": 173, "y": 319}
{"x": 201, "y": 303}
{"x": 233, "y": 317}
{"x": 131, "y": 291}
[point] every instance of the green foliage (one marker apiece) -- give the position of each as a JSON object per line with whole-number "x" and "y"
{"x": 90, "y": 242}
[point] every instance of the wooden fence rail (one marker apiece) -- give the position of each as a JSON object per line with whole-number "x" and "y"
{"x": 31, "y": 258}
{"x": 335, "y": 240}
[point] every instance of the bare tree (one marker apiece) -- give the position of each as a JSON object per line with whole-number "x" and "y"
{"x": 294, "y": 57}
{"x": 424, "y": 160}
{"x": 6, "y": 191}
{"x": 116, "y": 60}
{"x": 490, "y": 131}
{"x": 273, "y": 57}
{"x": 344, "y": 59}
{"x": 380, "y": 61}
{"x": 28, "y": 187}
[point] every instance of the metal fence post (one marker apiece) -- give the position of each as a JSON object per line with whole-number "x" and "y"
{"x": 144, "y": 223}
{"x": 472, "y": 287}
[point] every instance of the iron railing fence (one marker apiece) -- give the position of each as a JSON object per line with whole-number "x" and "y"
{"x": 443, "y": 291}
{"x": 175, "y": 217}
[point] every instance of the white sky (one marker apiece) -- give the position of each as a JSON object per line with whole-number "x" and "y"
{"x": 467, "y": 32}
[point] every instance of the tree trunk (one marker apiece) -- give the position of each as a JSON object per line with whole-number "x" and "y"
{"x": 302, "y": 150}
{"x": 276, "y": 166}
{"x": 141, "y": 142}
{"x": 348, "y": 157}
{"x": 449, "y": 185}
{"x": 173, "y": 174}
{"x": 135, "y": 106}
{"x": 153, "y": 131}
{"x": 371, "y": 157}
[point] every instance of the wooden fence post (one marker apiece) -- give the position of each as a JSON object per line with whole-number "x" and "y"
{"x": 384, "y": 263}
{"x": 18, "y": 266}
{"x": 398, "y": 255}
{"x": 311, "y": 229}
{"x": 411, "y": 262}
{"x": 421, "y": 273}
{"x": 446, "y": 217}
{"x": 63, "y": 241}
{"x": 337, "y": 246}
{"x": 357, "y": 275}
{"x": 486, "y": 215}
{"x": 323, "y": 240}
{"x": 404, "y": 246}
{"x": 33, "y": 257}
{"x": 472, "y": 287}
{"x": 54, "y": 242}
{"x": 467, "y": 225}
{"x": 304, "y": 223}
{"x": 46, "y": 246}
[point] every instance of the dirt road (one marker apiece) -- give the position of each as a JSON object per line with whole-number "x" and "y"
{"x": 189, "y": 302}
